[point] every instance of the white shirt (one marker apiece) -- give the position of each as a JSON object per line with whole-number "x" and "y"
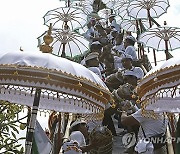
{"x": 130, "y": 50}
{"x": 120, "y": 48}
{"x": 97, "y": 71}
{"x": 150, "y": 126}
{"x": 115, "y": 25}
{"x": 88, "y": 34}
{"x": 135, "y": 71}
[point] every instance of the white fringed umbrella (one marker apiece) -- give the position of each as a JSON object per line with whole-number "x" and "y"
{"x": 161, "y": 39}
{"x": 73, "y": 17}
{"x": 160, "y": 88}
{"x": 66, "y": 43}
{"x": 41, "y": 80}
{"x": 143, "y": 9}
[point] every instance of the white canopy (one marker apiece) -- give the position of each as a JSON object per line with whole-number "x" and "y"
{"x": 160, "y": 89}
{"x": 65, "y": 86}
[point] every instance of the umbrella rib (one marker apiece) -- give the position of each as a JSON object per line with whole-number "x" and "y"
{"x": 56, "y": 17}
{"x": 68, "y": 10}
{"x": 138, "y": 12}
{"x": 81, "y": 42}
{"x": 159, "y": 43}
{"x": 71, "y": 24}
{"x": 59, "y": 50}
{"x": 56, "y": 22}
{"x": 79, "y": 23}
{"x": 169, "y": 42}
{"x": 77, "y": 46}
{"x": 70, "y": 49}
{"x": 161, "y": 7}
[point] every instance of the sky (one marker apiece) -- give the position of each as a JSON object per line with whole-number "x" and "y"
{"x": 22, "y": 22}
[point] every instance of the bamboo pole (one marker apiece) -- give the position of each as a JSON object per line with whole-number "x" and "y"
{"x": 154, "y": 53}
{"x": 32, "y": 122}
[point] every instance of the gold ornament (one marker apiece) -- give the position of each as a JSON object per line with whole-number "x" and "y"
{"x": 133, "y": 96}
{"x": 113, "y": 105}
{"x": 48, "y": 39}
{"x": 138, "y": 101}
{"x": 15, "y": 73}
{"x": 101, "y": 93}
{"x": 22, "y": 126}
{"x": 80, "y": 84}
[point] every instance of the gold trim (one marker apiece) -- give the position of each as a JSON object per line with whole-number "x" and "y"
{"x": 57, "y": 78}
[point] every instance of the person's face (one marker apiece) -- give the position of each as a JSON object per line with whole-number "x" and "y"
{"x": 126, "y": 43}
{"x": 93, "y": 22}
{"x": 126, "y": 62}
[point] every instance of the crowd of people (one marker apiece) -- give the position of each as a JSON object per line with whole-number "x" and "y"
{"x": 113, "y": 57}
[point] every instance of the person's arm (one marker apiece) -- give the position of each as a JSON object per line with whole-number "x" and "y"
{"x": 91, "y": 146}
{"x": 128, "y": 120}
{"x": 87, "y": 148}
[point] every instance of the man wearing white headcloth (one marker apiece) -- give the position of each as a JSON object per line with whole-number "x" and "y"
{"x": 113, "y": 23}
{"x": 129, "y": 70}
{"x": 129, "y": 43}
{"x": 92, "y": 63}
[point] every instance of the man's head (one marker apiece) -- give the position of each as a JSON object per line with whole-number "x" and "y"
{"x": 79, "y": 125}
{"x": 119, "y": 39}
{"x": 129, "y": 41}
{"x": 113, "y": 81}
{"x": 95, "y": 46}
{"x": 127, "y": 61}
{"x": 93, "y": 22}
{"x": 131, "y": 79}
{"x": 92, "y": 59}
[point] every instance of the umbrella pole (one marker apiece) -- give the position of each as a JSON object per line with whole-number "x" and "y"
{"x": 63, "y": 51}
{"x": 59, "y": 133}
{"x": 139, "y": 45}
{"x": 166, "y": 50}
{"x": 32, "y": 122}
{"x": 149, "y": 18}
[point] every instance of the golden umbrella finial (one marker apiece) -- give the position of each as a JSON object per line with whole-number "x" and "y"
{"x": 48, "y": 39}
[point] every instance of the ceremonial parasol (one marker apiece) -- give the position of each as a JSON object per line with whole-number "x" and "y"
{"x": 143, "y": 9}
{"x": 41, "y": 80}
{"x": 61, "y": 16}
{"x": 161, "y": 38}
{"x": 66, "y": 42}
{"x": 159, "y": 90}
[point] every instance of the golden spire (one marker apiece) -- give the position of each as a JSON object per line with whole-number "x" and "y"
{"x": 48, "y": 39}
